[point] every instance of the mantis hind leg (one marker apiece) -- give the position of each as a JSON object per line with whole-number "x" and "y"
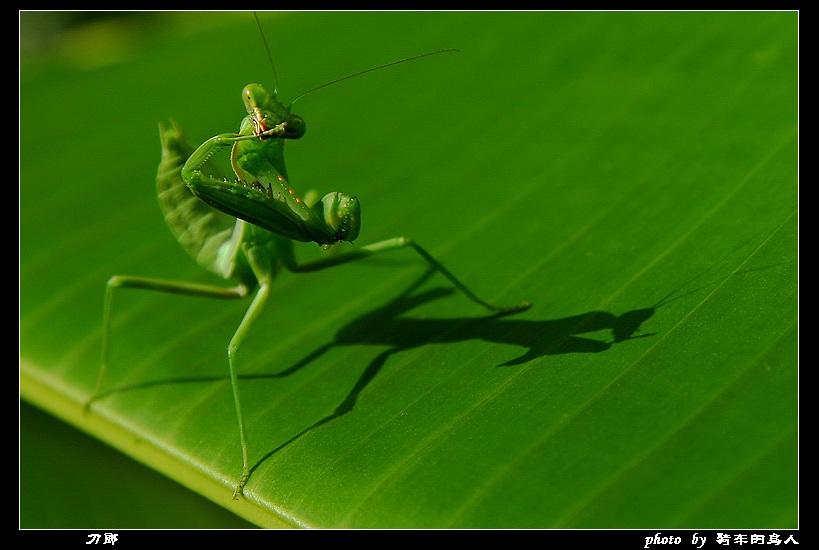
{"x": 262, "y": 269}
{"x": 161, "y": 285}
{"x": 264, "y": 276}
{"x": 399, "y": 243}
{"x": 253, "y": 311}
{"x": 191, "y": 289}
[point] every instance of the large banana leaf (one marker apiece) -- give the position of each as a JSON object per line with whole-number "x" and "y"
{"x": 633, "y": 174}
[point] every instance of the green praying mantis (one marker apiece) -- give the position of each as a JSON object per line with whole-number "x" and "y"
{"x": 242, "y": 227}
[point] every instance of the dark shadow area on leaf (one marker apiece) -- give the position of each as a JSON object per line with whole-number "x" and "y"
{"x": 385, "y": 326}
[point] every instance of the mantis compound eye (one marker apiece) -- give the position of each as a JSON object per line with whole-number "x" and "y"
{"x": 294, "y": 127}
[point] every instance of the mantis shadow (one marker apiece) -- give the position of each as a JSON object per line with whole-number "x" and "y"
{"x": 385, "y": 326}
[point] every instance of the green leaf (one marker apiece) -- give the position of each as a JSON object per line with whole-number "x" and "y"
{"x": 633, "y": 174}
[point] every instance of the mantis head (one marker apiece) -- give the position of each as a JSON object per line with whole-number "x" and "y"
{"x": 271, "y": 118}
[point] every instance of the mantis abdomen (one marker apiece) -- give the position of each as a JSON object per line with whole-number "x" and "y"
{"x": 201, "y": 230}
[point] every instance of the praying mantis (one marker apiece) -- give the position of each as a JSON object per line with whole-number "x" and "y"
{"x": 242, "y": 227}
